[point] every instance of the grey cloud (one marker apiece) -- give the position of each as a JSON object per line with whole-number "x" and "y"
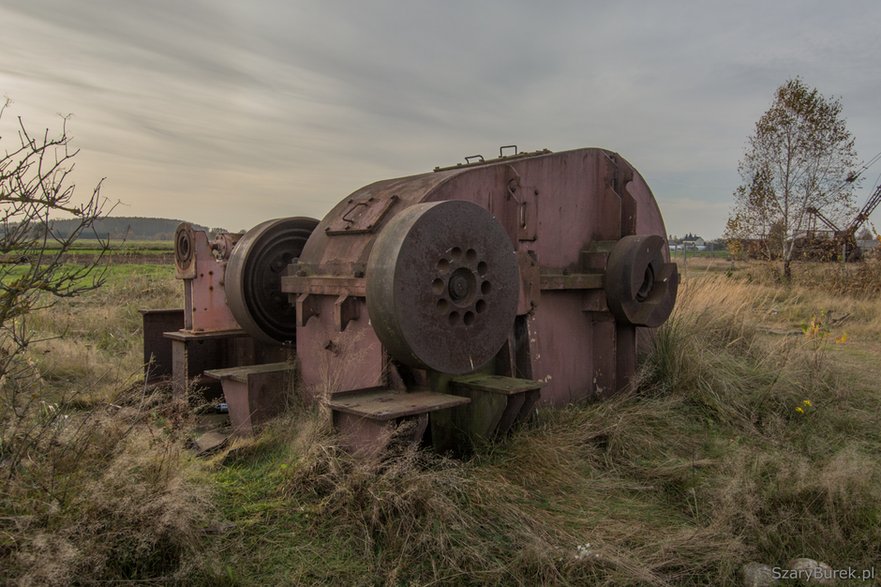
{"x": 191, "y": 106}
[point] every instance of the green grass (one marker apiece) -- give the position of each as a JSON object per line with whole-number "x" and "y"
{"x": 717, "y": 254}
{"x": 115, "y": 248}
{"x": 705, "y": 466}
{"x": 117, "y": 245}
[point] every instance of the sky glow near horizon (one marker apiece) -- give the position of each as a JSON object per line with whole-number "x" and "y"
{"x": 227, "y": 113}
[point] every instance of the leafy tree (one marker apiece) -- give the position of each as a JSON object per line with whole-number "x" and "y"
{"x": 799, "y": 157}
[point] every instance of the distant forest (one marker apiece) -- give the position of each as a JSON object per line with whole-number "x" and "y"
{"x": 125, "y": 227}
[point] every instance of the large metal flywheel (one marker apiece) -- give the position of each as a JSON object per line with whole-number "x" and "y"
{"x": 442, "y": 286}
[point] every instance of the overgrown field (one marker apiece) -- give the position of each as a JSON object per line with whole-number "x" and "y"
{"x": 753, "y": 435}
{"x": 84, "y": 251}
{"x": 94, "y": 246}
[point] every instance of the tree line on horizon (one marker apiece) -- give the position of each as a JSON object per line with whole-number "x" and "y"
{"x": 122, "y": 227}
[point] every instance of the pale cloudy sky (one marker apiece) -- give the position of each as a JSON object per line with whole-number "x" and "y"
{"x": 227, "y": 112}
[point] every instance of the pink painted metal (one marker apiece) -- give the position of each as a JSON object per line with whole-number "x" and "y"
{"x": 488, "y": 288}
{"x": 563, "y": 213}
{"x": 254, "y": 394}
{"x": 206, "y": 308}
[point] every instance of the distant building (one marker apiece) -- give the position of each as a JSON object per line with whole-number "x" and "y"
{"x": 696, "y": 244}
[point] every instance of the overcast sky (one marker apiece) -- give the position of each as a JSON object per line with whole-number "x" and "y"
{"x": 227, "y": 113}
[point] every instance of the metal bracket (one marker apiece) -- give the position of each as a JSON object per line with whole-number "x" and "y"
{"x": 481, "y": 161}
{"x": 622, "y": 174}
{"x": 526, "y": 198}
{"x": 307, "y": 306}
{"x": 345, "y": 309}
{"x": 594, "y": 257}
{"x": 361, "y": 216}
{"x": 530, "y": 282}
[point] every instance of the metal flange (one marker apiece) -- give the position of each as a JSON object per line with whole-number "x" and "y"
{"x": 184, "y": 251}
{"x": 183, "y": 244}
{"x": 442, "y": 286}
{"x": 253, "y": 277}
{"x": 640, "y": 285}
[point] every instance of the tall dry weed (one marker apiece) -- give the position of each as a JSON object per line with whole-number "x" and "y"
{"x": 94, "y": 482}
{"x": 106, "y": 494}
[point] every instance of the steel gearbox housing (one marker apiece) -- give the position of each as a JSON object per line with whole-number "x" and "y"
{"x": 562, "y": 216}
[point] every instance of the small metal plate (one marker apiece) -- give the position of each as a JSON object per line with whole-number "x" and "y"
{"x": 387, "y": 405}
{"x": 240, "y": 374}
{"x": 498, "y": 384}
{"x": 362, "y": 215}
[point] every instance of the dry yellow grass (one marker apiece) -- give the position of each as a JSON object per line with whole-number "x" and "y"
{"x": 704, "y": 466}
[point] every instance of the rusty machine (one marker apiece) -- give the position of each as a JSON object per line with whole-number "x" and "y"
{"x": 825, "y": 245}
{"x": 456, "y": 300}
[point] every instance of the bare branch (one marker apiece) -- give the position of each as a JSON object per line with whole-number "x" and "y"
{"x": 35, "y": 187}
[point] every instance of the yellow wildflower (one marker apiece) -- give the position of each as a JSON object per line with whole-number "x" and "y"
{"x": 800, "y": 410}
{"x": 841, "y": 339}
{"x": 808, "y": 403}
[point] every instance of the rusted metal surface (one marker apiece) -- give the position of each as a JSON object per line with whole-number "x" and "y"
{"x": 325, "y": 285}
{"x": 205, "y": 303}
{"x": 184, "y": 251}
{"x": 363, "y": 213}
{"x": 562, "y": 213}
{"x": 537, "y": 271}
{"x": 480, "y": 160}
{"x": 254, "y": 393}
{"x": 254, "y": 272}
{"x": 500, "y": 403}
{"x": 388, "y": 405}
{"x": 640, "y": 285}
{"x": 572, "y": 281}
{"x": 496, "y": 404}
{"x": 241, "y": 374}
{"x": 366, "y": 438}
{"x": 195, "y": 352}
{"x": 442, "y": 286}
{"x": 223, "y": 245}
{"x": 333, "y": 360}
{"x": 157, "y": 348}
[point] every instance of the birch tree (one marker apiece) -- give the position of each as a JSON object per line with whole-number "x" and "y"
{"x": 800, "y": 156}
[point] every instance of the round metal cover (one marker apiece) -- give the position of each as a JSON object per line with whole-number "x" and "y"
{"x": 442, "y": 286}
{"x": 253, "y": 277}
{"x": 184, "y": 243}
{"x": 640, "y": 285}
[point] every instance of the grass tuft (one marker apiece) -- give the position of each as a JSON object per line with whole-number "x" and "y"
{"x": 704, "y": 465}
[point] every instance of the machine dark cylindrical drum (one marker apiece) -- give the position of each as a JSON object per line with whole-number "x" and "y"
{"x": 640, "y": 285}
{"x": 253, "y": 277}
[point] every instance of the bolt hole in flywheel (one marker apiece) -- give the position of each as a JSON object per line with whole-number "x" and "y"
{"x": 442, "y": 286}
{"x": 253, "y": 277}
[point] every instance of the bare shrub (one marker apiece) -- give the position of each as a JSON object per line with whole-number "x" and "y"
{"x": 92, "y": 487}
{"x": 109, "y": 494}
